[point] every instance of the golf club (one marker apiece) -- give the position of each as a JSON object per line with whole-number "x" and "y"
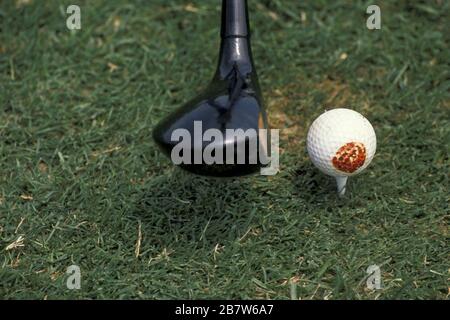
{"x": 232, "y": 101}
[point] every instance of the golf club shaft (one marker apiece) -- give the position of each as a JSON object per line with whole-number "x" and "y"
{"x": 234, "y": 19}
{"x": 235, "y": 33}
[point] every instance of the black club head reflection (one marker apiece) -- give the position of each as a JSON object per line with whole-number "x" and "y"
{"x": 231, "y": 101}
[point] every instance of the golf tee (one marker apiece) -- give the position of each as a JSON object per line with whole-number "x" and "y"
{"x": 341, "y": 185}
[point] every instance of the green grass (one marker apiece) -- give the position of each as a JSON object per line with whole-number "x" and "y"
{"x": 79, "y": 167}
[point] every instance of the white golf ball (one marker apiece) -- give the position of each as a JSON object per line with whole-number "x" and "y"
{"x": 341, "y": 142}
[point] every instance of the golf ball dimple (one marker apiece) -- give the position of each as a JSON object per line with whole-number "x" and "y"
{"x": 341, "y": 142}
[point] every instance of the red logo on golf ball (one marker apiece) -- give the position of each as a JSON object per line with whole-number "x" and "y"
{"x": 350, "y": 157}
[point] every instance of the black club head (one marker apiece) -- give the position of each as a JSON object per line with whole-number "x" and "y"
{"x": 231, "y": 103}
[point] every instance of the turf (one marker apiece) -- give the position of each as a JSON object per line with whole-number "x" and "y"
{"x": 81, "y": 181}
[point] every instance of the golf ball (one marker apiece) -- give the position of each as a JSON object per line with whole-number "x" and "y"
{"x": 341, "y": 142}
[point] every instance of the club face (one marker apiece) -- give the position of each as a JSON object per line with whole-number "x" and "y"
{"x": 221, "y": 108}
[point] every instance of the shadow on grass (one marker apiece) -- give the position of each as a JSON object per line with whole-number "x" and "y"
{"x": 311, "y": 183}
{"x": 185, "y": 207}
{"x": 317, "y": 190}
